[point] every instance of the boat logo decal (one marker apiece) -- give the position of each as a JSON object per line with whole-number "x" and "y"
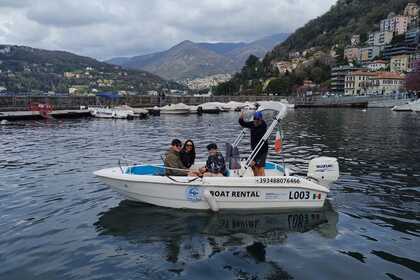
{"x": 193, "y": 194}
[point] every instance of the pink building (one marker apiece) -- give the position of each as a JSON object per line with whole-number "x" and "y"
{"x": 397, "y": 24}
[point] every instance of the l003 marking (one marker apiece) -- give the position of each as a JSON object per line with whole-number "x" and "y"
{"x": 294, "y": 195}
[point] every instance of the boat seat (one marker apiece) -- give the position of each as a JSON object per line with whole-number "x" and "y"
{"x": 158, "y": 170}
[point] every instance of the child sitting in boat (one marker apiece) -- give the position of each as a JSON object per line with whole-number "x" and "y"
{"x": 215, "y": 165}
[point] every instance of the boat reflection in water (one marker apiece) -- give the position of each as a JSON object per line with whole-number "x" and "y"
{"x": 190, "y": 235}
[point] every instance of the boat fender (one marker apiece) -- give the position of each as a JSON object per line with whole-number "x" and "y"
{"x": 211, "y": 201}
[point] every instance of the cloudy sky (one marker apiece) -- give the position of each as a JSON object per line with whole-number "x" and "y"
{"x": 109, "y": 28}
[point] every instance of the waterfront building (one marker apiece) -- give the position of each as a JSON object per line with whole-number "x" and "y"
{"x": 387, "y": 83}
{"x": 338, "y": 75}
{"x": 352, "y": 53}
{"x": 377, "y": 65}
{"x": 401, "y": 63}
{"x": 369, "y": 53}
{"x": 380, "y": 38}
{"x": 365, "y": 83}
{"x": 357, "y": 82}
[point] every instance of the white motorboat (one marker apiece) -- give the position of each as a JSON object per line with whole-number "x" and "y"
{"x": 111, "y": 113}
{"x": 415, "y": 106}
{"x": 211, "y": 107}
{"x": 138, "y": 112}
{"x": 233, "y": 106}
{"x": 411, "y": 106}
{"x": 402, "y": 108}
{"x": 238, "y": 190}
{"x": 179, "y": 108}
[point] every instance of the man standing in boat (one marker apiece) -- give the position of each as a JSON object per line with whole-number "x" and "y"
{"x": 258, "y": 128}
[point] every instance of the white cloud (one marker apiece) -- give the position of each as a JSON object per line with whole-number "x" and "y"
{"x": 107, "y": 28}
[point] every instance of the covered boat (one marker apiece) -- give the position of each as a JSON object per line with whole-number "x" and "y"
{"x": 211, "y": 107}
{"x": 233, "y": 106}
{"x": 240, "y": 189}
{"x": 179, "y": 108}
{"x": 111, "y": 113}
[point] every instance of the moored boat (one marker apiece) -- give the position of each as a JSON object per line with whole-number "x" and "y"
{"x": 415, "y": 106}
{"x": 179, "y": 108}
{"x": 210, "y": 108}
{"x": 411, "y": 106}
{"x": 111, "y": 113}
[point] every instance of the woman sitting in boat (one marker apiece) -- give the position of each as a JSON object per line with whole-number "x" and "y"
{"x": 188, "y": 154}
{"x": 215, "y": 165}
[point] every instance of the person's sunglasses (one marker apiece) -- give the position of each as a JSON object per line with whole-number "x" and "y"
{"x": 188, "y": 145}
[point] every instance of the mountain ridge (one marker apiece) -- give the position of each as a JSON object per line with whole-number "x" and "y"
{"x": 24, "y": 68}
{"x": 188, "y": 59}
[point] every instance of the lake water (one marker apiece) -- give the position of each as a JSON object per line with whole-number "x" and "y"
{"x": 57, "y": 221}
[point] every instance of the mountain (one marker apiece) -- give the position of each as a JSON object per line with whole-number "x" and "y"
{"x": 258, "y": 48}
{"x": 221, "y": 48}
{"x": 24, "y": 68}
{"x": 193, "y": 60}
{"x": 185, "y": 60}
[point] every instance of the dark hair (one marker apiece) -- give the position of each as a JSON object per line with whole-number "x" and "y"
{"x": 188, "y": 158}
{"x": 211, "y": 146}
{"x": 176, "y": 142}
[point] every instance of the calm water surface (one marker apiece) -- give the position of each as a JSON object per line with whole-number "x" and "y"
{"x": 57, "y": 221}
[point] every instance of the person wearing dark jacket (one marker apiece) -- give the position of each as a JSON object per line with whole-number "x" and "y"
{"x": 215, "y": 165}
{"x": 258, "y": 128}
{"x": 188, "y": 154}
{"x": 173, "y": 160}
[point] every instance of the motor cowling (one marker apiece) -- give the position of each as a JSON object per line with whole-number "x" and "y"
{"x": 324, "y": 169}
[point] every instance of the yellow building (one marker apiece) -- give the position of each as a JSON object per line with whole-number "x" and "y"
{"x": 357, "y": 82}
{"x": 400, "y": 63}
{"x": 365, "y": 83}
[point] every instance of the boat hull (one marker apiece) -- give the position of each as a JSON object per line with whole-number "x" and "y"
{"x": 216, "y": 193}
{"x": 175, "y": 112}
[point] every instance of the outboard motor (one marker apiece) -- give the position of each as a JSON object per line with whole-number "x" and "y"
{"x": 324, "y": 169}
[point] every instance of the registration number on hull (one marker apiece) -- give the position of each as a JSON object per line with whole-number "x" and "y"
{"x": 303, "y": 195}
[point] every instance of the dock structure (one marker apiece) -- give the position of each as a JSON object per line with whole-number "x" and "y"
{"x": 30, "y": 115}
{"x": 349, "y": 101}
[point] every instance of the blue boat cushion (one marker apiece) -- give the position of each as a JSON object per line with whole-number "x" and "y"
{"x": 146, "y": 170}
{"x": 159, "y": 170}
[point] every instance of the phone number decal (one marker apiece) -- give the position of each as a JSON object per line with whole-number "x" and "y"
{"x": 263, "y": 180}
